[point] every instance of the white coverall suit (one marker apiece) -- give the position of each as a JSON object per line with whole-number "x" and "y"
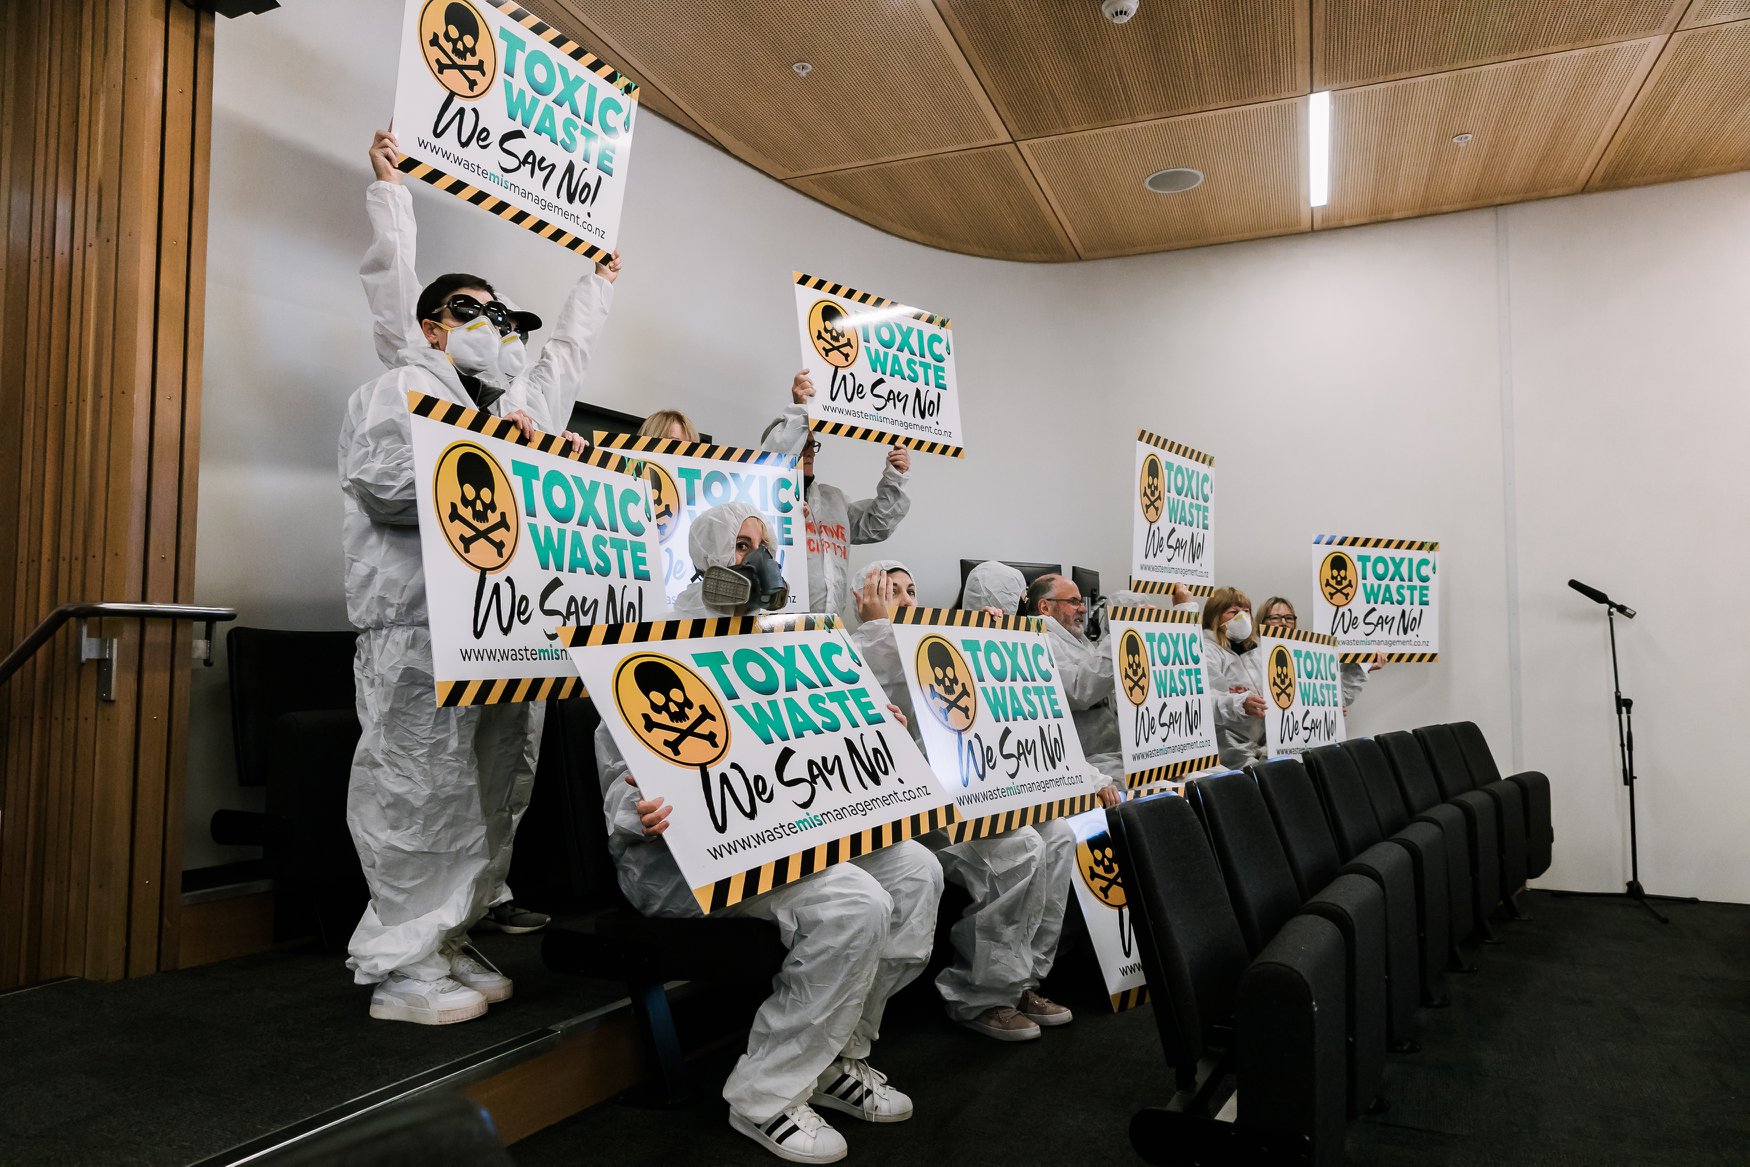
{"x": 434, "y": 793}
{"x": 834, "y": 524}
{"x": 993, "y": 940}
{"x": 857, "y": 932}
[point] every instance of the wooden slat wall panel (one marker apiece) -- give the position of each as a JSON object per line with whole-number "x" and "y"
{"x": 889, "y": 82}
{"x": 1361, "y": 42}
{"x": 1539, "y": 127}
{"x": 1693, "y": 114}
{"x": 1253, "y": 158}
{"x": 104, "y": 120}
{"x": 982, "y": 202}
{"x": 1715, "y": 11}
{"x": 1053, "y": 67}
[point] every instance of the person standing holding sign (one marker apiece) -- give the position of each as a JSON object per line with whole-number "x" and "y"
{"x": 435, "y": 792}
{"x": 857, "y": 932}
{"x": 834, "y": 524}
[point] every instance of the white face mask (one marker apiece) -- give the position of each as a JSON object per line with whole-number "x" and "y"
{"x": 473, "y": 347}
{"x": 1240, "y": 627}
{"x": 512, "y": 356}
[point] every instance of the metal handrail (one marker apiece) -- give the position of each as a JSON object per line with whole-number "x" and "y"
{"x": 103, "y": 650}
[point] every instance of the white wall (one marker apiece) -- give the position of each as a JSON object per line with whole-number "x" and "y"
{"x": 1381, "y": 348}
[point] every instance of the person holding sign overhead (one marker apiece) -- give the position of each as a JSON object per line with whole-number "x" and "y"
{"x": 835, "y": 524}
{"x": 857, "y": 931}
{"x": 435, "y": 793}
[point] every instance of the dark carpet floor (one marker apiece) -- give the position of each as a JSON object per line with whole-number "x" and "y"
{"x": 170, "y": 1069}
{"x": 1593, "y": 1036}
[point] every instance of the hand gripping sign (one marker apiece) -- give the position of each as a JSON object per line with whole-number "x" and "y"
{"x": 689, "y": 478}
{"x": 519, "y": 537}
{"x": 995, "y": 721}
{"x": 497, "y": 108}
{"x": 1165, "y": 722}
{"x": 1172, "y": 517}
{"x": 1099, "y": 889}
{"x": 770, "y": 738}
{"x": 1303, "y": 692}
{"x": 883, "y": 372}
{"x": 1378, "y": 595}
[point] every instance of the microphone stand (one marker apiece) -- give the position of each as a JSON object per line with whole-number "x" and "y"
{"x": 1625, "y": 746}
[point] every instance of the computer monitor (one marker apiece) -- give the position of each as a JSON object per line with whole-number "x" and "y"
{"x": 587, "y": 418}
{"x": 1029, "y": 571}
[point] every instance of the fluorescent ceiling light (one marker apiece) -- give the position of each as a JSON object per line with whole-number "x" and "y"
{"x": 1318, "y": 129}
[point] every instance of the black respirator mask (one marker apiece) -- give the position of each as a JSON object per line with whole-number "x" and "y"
{"x": 757, "y": 583}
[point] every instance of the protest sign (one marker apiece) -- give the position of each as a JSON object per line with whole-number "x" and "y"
{"x": 496, "y": 107}
{"x": 1172, "y": 517}
{"x": 1303, "y": 692}
{"x": 519, "y": 537}
{"x": 1378, "y": 595}
{"x": 995, "y": 721}
{"x": 883, "y": 372}
{"x": 1099, "y": 889}
{"x": 770, "y": 738}
{"x": 1166, "y": 725}
{"x": 688, "y": 478}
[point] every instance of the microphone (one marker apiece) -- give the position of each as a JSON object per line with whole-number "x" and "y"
{"x": 1592, "y": 593}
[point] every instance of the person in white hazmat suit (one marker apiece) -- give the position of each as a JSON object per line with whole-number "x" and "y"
{"x": 435, "y": 793}
{"x": 857, "y": 932}
{"x": 834, "y": 524}
{"x": 1236, "y": 677}
{"x": 1277, "y": 614}
{"x": 392, "y": 290}
{"x": 990, "y": 988}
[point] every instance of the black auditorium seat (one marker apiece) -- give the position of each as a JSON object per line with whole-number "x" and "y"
{"x": 1540, "y": 834}
{"x": 1262, "y": 888}
{"x": 1277, "y": 1021}
{"x": 1453, "y": 775}
{"x": 1469, "y": 825}
{"x": 1438, "y": 902}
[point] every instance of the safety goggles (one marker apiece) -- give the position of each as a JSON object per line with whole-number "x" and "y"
{"x": 467, "y": 308}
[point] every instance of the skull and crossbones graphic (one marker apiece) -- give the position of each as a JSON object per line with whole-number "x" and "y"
{"x": 671, "y": 707}
{"x": 1337, "y": 580}
{"x": 1153, "y": 495}
{"x": 951, "y": 699}
{"x": 1135, "y": 669}
{"x": 479, "y": 518}
{"x": 458, "y": 46}
{"x": 1281, "y": 677}
{"x": 836, "y": 343}
{"x": 1097, "y": 864}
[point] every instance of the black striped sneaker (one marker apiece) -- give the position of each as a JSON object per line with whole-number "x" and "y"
{"x": 797, "y": 1134}
{"x": 855, "y": 1087}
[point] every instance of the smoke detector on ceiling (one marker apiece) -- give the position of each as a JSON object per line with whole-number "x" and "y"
{"x": 1119, "y": 11}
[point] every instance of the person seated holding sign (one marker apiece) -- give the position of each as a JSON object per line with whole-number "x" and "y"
{"x": 1278, "y": 613}
{"x": 1236, "y": 677}
{"x": 834, "y": 525}
{"x": 992, "y": 985}
{"x": 857, "y": 932}
{"x": 435, "y": 793}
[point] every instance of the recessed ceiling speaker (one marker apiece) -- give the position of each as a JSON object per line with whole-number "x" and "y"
{"x": 1173, "y": 180}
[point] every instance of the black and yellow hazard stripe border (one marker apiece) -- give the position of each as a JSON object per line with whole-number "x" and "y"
{"x": 454, "y": 694}
{"x": 1178, "y": 449}
{"x": 710, "y": 451}
{"x": 480, "y": 422}
{"x": 1395, "y": 658}
{"x": 1014, "y": 820}
{"x": 1142, "y": 614}
{"x": 1129, "y": 998}
{"x": 1381, "y": 544}
{"x": 1302, "y": 635}
{"x": 1138, "y": 779}
{"x": 657, "y": 631}
{"x": 869, "y": 299}
{"x": 758, "y": 880}
{"x": 1164, "y": 587}
{"x": 967, "y": 618}
{"x": 864, "y": 433}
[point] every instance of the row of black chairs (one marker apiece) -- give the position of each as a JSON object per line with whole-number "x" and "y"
{"x": 1292, "y": 918}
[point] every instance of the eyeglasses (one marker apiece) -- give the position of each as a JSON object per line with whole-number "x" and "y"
{"x": 466, "y": 308}
{"x": 1072, "y": 601}
{"x": 811, "y": 447}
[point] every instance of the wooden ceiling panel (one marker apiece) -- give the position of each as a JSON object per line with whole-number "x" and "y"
{"x": 1538, "y": 127}
{"x": 1714, "y": 12}
{"x": 565, "y": 16}
{"x": 1693, "y": 114}
{"x": 1253, "y": 158}
{"x": 1362, "y": 42}
{"x": 981, "y": 202}
{"x": 1054, "y": 66}
{"x": 888, "y": 80}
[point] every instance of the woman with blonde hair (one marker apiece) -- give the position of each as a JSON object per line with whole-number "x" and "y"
{"x": 1236, "y": 676}
{"x": 671, "y": 424}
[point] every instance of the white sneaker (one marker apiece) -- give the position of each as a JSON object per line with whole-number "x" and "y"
{"x": 479, "y": 974}
{"x": 797, "y": 1134}
{"x": 855, "y": 1087}
{"x": 440, "y": 1002}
